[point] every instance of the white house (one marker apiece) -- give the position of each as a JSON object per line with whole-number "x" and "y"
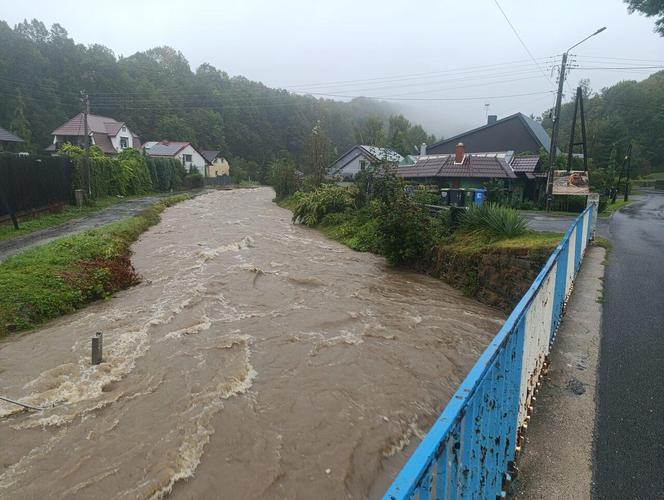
{"x": 110, "y": 135}
{"x": 183, "y": 151}
{"x": 360, "y": 157}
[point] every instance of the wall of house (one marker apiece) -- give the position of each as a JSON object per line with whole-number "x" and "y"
{"x": 218, "y": 167}
{"x": 122, "y": 133}
{"x": 197, "y": 160}
{"x": 354, "y": 166}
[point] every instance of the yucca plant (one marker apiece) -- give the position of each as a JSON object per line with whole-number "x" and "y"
{"x": 493, "y": 221}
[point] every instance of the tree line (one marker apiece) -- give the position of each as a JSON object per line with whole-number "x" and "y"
{"x": 159, "y": 96}
{"x": 627, "y": 112}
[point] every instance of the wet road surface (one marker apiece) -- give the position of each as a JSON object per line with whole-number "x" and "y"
{"x": 256, "y": 360}
{"x": 119, "y": 211}
{"x": 629, "y": 435}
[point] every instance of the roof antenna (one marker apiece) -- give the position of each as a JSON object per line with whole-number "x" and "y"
{"x": 486, "y": 110}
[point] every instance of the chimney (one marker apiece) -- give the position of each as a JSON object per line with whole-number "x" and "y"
{"x": 423, "y": 149}
{"x": 458, "y": 157}
{"x": 491, "y": 119}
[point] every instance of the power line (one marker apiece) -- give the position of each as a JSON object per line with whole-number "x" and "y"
{"x": 522, "y": 42}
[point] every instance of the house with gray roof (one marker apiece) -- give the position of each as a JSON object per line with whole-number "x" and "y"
{"x": 518, "y": 133}
{"x": 9, "y": 140}
{"x": 356, "y": 159}
{"x": 108, "y": 134}
{"x": 184, "y": 152}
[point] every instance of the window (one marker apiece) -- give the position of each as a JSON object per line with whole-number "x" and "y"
{"x": 363, "y": 164}
{"x": 186, "y": 158}
{"x": 124, "y": 142}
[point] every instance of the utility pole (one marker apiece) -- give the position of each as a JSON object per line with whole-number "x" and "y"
{"x": 554, "y": 133}
{"x": 556, "y": 120}
{"x": 86, "y": 111}
{"x": 628, "y": 167}
{"x": 578, "y": 107}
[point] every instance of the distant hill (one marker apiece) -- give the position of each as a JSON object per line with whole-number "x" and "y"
{"x": 160, "y": 97}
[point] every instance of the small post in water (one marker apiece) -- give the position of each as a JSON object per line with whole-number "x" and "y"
{"x": 97, "y": 348}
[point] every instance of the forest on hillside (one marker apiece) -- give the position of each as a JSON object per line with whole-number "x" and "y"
{"x": 627, "y": 112}
{"x": 42, "y": 72}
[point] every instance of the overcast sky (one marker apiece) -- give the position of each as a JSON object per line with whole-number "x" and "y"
{"x": 409, "y": 51}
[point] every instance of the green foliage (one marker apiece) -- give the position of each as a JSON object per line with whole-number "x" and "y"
{"x": 356, "y": 229}
{"x": 650, "y": 8}
{"x": 310, "y": 208}
{"x": 125, "y": 174}
{"x": 493, "y": 221}
{"x": 284, "y": 178}
{"x": 57, "y": 278}
{"x": 165, "y": 99}
{"x": 626, "y": 112}
{"x": 194, "y": 180}
{"x": 426, "y": 197}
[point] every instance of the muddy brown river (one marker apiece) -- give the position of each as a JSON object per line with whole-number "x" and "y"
{"x": 257, "y": 359}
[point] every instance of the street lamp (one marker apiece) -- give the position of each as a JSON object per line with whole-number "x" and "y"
{"x": 556, "y": 120}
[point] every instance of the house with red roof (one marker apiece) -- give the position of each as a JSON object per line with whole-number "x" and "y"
{"x": 521, "y": 174}
{"x": 185, "y": 152}
{"x": 108, "y": 134}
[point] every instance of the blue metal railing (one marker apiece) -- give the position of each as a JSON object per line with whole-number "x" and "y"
{"x": 467, "y": 451}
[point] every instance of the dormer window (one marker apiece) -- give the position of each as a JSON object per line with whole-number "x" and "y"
{"x": 124, "y": 142}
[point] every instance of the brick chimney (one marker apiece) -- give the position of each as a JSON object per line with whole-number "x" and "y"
{"x": 458, "y": 155}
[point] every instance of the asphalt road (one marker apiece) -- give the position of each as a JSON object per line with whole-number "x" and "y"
{"x": 559, "y": 224}
{"x": 629, "y": 432}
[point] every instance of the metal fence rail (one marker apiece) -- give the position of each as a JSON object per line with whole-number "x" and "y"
{"x": 471, "y": 446}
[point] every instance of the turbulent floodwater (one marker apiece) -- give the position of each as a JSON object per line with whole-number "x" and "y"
{"x": 257, "y": 359}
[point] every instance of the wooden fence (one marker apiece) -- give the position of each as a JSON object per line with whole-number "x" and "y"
{"x": 30, "y": 184}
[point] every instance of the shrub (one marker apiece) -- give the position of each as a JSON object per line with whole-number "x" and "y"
{"x": 193, "y": 181}
{"x": 310, "y": 208}
{"x": 426, "y": 197}
{"x": 284, "y": 178}
{"x": 493, "y": 221}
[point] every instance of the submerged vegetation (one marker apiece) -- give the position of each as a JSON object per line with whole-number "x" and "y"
{"x": 64, "y": 275}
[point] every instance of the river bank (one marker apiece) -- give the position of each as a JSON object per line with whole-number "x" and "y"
{"x": 497, "y": 272}
{"x": 56, "y": 278}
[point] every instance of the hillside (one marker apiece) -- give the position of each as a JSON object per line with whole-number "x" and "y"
{"x": 628, "y": 111}
{"x": 158, "y": 94}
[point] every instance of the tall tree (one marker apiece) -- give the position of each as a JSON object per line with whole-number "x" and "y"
{"x": 19, "y": 125}
{"x": 650, "y": 8}
{"x": 371, "y": 132}
{"x": 320, "y": 153}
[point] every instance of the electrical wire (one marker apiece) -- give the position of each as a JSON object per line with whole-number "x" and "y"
{"x": 522, "y": 42}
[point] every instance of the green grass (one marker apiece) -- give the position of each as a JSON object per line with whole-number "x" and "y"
{"x": 655, "y": 176}
{"x": 48, "y": 220}
{"x": 612, "y": 207}
{"x": 59, "y": 277}
{"x": 529, "y": 241}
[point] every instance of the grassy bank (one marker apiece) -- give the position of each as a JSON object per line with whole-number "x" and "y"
{"x": 66, "y": 274}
